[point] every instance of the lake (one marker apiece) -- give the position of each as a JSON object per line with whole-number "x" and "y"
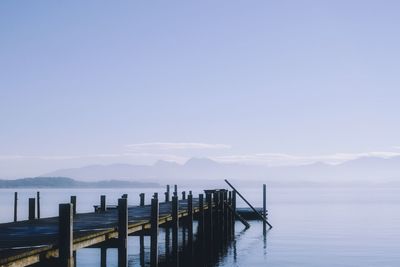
{"x": 312, "y": 226}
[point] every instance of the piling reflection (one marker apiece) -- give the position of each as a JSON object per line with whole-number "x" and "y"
{"x": 191, "y": 251}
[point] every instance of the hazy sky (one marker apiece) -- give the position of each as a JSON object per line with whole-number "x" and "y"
{"x": 267, "y": 82}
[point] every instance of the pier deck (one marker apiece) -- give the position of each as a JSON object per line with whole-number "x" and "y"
{"x": 27, "y": 242}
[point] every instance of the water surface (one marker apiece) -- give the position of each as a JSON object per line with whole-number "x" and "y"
{"x": 312, "y": 226}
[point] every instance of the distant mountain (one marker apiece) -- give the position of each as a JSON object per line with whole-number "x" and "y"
{"x": 63, "y": 182}
{"x": 371, "y": 170}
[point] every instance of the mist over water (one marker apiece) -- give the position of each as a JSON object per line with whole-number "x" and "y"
{"x": 312, "y": 226}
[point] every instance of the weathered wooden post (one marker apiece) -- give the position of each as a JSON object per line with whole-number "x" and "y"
{"x": 209, "y": 218}
{"x": 154, "y": 233}
{"x": 155, "y": 195}
{"x": 183, "y": 195}
{"x": 201, "y": 217}
{"x": 65, "y": 235}
{"x": 103, "y": 206}
{"x": 217, "y": 214}
{"x": 15, "y": 206}
{"x": 31, "y": 209}
{"x": 74, "y": 257}
{"x": 233, "y": 212}
{"x": 141, "y": 244}
{"x": 209, "y": 236}
{"x": 103, "y": 256}
{"x": 175, "y": 190}
{"x": 175, "y": 228}
{"x": 122, "y": 232}
{"x": 124, "y": 196}
{"x": 142, "y": 195}
{"x": 73, "y": 202}
{"x": 167, "y": 243}
{"x": 265, "y": 209}
{"x": 225, "y": 212}
{"x": 200, "y": 229}
{"x": 229, "y": 211}
{"x": 167, "y": 194}
{"x": 38, "y": 204}
{"x": 190, "y": 226}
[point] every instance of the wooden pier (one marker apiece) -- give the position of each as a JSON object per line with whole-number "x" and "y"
{"x": 56, "y": 239}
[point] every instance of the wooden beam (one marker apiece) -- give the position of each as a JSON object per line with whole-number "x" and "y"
{"x": 248, "y": 203}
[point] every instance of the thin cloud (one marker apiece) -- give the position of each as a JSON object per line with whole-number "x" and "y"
{"x": 279, "y": 159}
{"x": 174, "y": 146}
{"x": 132, "y": 156}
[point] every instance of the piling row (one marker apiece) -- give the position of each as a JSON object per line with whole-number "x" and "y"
{"x": 216, "y": 215}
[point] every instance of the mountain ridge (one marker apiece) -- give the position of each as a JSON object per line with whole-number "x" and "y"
{"x": 368, "y": 169}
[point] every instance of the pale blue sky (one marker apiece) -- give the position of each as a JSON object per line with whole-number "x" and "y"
{"x": 82, "y": 80}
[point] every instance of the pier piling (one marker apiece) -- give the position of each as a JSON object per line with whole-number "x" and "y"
{"x": 154, "y": 233}
{"x": 167, "y": 194}
{"x": 229, "y": 217}
{"x": 175, "y": 228}
{"x": 233, "y": 211}
{"x": 122, "y": 232}
{"x": 103, "y": 206}
{"x": 31, "y": 209}
{"x": 15, "y": 206}
{"x": 142, "y": 196}
{"x": 190, "y": 225}
{"x": 264, "y": 209}
{"x": 65, "y": 250}
{"x": 209, "y": 218}
{"x": 142, "y": 261}
{"x": 103, "y": 256}
{"x": 38, "y": 204}
{"x": 73, "y": 202}
{"x": 215, "y": 212}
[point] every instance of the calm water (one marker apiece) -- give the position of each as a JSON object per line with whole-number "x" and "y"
{"x": 312, "y": 226}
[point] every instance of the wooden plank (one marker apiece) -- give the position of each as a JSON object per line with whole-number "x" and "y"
{"x": 39, "y": 238}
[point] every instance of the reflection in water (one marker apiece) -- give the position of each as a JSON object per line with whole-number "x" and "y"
{"x": 192, "y": 252}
